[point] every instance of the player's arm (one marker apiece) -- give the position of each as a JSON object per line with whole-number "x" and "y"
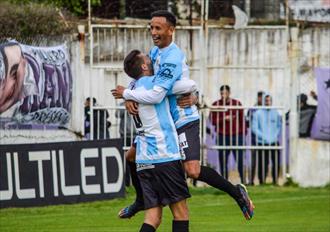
{"x": 183, "y": 87}
{"x": 170, "y": 71}
{"x": 157, "y": 94}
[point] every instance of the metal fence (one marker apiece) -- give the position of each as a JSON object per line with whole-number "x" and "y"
{"x": 251, "y": 136}
{"x": 253, "y": 155}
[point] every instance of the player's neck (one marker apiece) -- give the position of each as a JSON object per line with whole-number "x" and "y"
{"x": 166, "y": 46}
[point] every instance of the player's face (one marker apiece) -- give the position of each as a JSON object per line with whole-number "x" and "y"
{"x": 161, "y": 32}
{"x": 11, "y": 86}
{"x": 147, "y": 65}
{"x": 224, "y": 94}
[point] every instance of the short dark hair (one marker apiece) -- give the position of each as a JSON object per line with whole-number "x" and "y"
{"x": 94, "y": 100}
{"x": 132, "y": 64}
{"x": 170, "y": 18}
{"x": 303, "y": 98}
{"x": 260, "y": 93}
{"x": 225, "y": 87}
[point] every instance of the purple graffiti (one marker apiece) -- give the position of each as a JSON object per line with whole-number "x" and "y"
{"x": 54, "y": 84}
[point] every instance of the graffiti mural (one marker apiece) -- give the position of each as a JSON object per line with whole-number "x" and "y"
{"x": 35, "y": 86}
{"x": 313, "y": 10}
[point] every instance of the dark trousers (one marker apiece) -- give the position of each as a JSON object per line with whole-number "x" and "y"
{"x": 233, "y": 140}
{"x": 263, "y": 156}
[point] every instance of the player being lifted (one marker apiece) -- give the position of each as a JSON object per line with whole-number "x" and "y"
{"x": 169, "y": 64}
{"x": 158, "y": 159}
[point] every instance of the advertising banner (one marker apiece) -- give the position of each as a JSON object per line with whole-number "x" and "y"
{"x": 60, "y": 173}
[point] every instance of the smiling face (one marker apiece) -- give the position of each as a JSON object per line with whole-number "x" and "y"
{"x": 11, "y": 83}
{"x": 161, "y": 31}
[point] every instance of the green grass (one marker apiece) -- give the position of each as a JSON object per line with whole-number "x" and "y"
{"x": 277, "y": 209}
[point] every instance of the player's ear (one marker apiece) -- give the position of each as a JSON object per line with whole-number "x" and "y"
{"x": 144, "y": 67}
{"x": 171, "y": 30}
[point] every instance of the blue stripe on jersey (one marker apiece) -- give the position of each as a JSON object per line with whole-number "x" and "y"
{"x": 165, "y": 125}
{"x": 156, "y": 161}
{"x": 188, "y": 110}
{"x": 170, "y": 64}
{"x": 180, "y": 124}
{"x": 151, "y": 145}
{"x": 173, "y": 108}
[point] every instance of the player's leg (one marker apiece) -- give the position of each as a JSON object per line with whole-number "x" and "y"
{"x": 152, "y": 219}
{"x": 137, "y": 205}
{"x": 174, "y": 192}
{"x": 180, "y": 214}
{"x": 191, "y": 150}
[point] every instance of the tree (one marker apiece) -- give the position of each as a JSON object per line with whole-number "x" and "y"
{"x": 78, "y": 7}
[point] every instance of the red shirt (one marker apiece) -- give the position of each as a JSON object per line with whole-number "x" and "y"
{"x": 229, "y": 122}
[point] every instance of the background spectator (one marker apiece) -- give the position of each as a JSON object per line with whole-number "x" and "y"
{"x": 100, "y": 123}
{"x": 266, "y": 125}
{"x": 306, "y": 116}
{"x": 250, "y": 115}
{"x": 229, "y": 126}
{"x": 125, "y": 125}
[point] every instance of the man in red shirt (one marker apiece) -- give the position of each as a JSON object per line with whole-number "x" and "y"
{"x": 230, "y": 127}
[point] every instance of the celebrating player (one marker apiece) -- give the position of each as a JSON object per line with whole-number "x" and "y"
{"x": 158, "y": 158}
{"x": 169, "y": 64}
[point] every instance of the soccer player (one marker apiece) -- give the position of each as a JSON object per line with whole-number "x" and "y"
{"x": 169, "y": 64}
{"x": 158, "y": 158}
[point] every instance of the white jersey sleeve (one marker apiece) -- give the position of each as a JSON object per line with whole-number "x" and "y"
{"x": 157, "y": 93}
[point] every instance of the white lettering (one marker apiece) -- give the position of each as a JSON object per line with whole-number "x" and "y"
{"x": 112, "y": 187}
{"x": 40, "y": 156}
{"x": 55, "y": 179}
{"x": 21, "y": 193}
{"x": 66, "y": 190}
{"x": 8, "y": 194}
{"x": 88, "y": 171}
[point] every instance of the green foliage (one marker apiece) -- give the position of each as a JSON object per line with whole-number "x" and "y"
{"x": 32, "y": 19}
{"x": 78, "y": 7}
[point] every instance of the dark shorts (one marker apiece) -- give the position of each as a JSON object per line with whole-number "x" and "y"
{"x": 162, "y": 184}
{"x": 189, "y": 141}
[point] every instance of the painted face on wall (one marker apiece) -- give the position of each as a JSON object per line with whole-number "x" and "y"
{"x": 12, "y": 75}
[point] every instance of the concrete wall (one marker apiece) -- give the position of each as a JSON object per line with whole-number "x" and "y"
{"x": 248, "y": 60}
{"x": 311, "y": 166}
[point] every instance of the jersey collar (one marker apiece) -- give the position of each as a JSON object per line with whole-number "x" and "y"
{"x": 162, "y": 50}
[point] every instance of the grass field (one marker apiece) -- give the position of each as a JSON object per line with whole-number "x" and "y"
{"x": 277, "y": 209}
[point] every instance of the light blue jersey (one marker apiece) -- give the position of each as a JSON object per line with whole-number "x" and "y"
{"x": 157, "y": 139}
{"x": 170, "y": 65}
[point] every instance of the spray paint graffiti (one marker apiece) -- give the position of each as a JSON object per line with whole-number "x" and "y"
{"x": 315, "y": 11}
{"x": 35, "y": 86}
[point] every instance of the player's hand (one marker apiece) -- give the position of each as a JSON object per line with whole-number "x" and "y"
{"x": 118, "y": 91}
{"x": 187, "y": 101}
{"x": 132, "y": 107}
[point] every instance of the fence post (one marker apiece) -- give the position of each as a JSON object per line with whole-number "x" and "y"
{"x": 293, "y": 51}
